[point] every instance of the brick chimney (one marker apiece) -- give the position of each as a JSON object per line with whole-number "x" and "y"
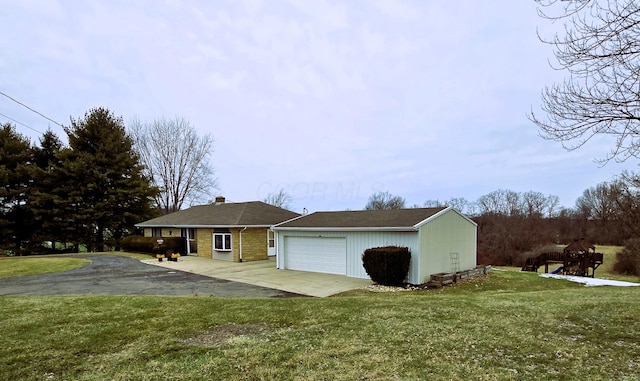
{"x": 219, "y": 200}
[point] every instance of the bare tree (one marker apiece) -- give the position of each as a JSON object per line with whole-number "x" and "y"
{"x": 552, "y": 205}
{"x": 458, "y": 203}
{"x": 499, "y": 202}
{"x": 384, "y": 200}
{"x": 281, "y": 199}
{"x": 629, "y": 202}
{"x": 506, "y": 202}
{"x": 600, "y": 51}
{"x": 432, "y": 204}
{"x": 177, "y": 160}
{"x": 599, "y": 205}
{"x": 533, "y": 204}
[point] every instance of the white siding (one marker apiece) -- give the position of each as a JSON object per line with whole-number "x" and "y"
{"x": 446, "y": 234}
{"x": 357, "y": 243}
{"x": 324, "y": 255}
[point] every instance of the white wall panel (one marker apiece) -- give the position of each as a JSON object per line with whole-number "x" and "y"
{"x": 357, "y": 243}
{"x": 318, "y": 254}
{"x": 449, "y": 233}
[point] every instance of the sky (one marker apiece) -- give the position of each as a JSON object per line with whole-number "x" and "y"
{"x": 330, "y": 101}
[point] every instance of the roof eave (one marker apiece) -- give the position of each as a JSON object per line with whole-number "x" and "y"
{"x": 201, "y": 226}
{"x": 347, "y": 229}
{"x": 443, "y": 211}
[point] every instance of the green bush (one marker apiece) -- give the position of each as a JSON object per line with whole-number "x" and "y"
{"x": 140, "y": 244}
{"x": 387, "y": 265}
{"x": 628, "y": 259}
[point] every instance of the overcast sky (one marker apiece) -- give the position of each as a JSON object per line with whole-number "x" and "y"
{"x": 329, "y": 100}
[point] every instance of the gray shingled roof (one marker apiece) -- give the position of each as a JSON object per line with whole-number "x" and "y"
{"x": 394, "y": 218}
{"x": 254, "y": 213}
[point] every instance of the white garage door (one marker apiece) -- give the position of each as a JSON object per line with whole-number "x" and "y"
{"x": 322, "y": 255}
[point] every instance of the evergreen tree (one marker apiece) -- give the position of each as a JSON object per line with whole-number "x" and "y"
{"x": 15, "y": 157}
{"x": 109, "y": 192}
{"x": 44, "y": 193}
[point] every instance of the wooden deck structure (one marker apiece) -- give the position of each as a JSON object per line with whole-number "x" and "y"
{"x": 578, "y": 258}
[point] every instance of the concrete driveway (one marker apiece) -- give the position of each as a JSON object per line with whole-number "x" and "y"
{"x": 265, "y": 274}
{"x": 119, "y": 275}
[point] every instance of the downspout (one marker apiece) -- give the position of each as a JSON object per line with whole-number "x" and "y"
{"x": 240, "y": 251}
{"x": 275, "y": 244}
{"x": 188, "y": 242}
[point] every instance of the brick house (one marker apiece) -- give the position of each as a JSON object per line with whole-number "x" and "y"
{"x": 237, "y": 232}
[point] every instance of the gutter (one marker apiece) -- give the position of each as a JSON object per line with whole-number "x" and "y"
{"x": 240, "y": 251}
{"x": 200, "y": 226}
{"x": 348, "y": 229}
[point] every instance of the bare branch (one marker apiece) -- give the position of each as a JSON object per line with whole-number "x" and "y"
{"x": 600, "y": 51}
{"x": 281, "y": 199}
{"x": 384, "y": 200}
{"x": 177, "y": 160}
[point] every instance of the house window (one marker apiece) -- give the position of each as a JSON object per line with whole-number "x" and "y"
{"x": 271, "y": 240}
{"x": 222, "y": 241}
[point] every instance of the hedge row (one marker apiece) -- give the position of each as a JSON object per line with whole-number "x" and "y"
{"x": 140, "y": 244}
{"x": 387, "y": 265}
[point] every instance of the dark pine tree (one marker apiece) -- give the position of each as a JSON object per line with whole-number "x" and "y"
{"x": 109, "y": 192}
{"x": 47, "y": 192}
{"x": 15, "y": 214}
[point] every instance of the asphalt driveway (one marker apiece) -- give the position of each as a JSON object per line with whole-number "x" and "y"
{"x": 119, "y": 275}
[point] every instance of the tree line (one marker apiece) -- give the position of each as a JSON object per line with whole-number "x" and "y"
{"x": 513, "y": 225}
{"x": 92, "y": 191}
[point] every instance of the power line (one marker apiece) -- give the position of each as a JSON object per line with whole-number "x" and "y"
{"x": 20, "y": 123}
{"x": 37, "y": 112}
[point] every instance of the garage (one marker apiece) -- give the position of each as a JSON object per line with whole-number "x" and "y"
{"x": 317, "y": 254}
{"x": 333, "y": 242}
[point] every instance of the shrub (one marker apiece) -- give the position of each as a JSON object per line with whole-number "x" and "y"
{"x": 388, "y": 265}
{"x": 149, "y": 245}
{"x": 138, "y": 243}
{"x": 628, "y": 259}
{"x": 177, "y": 244}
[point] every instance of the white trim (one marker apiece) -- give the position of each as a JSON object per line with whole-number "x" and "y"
{"x": 349, "y": 229}
{"x": 293, "y": 219}
{"x": 202, "y": 226}
{"x": 223, "y": 241}
{"x": 440, "y": 213}
{"x": 271, "y": 250}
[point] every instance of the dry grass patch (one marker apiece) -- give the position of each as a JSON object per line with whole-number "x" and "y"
{"x": 225, "y": 333}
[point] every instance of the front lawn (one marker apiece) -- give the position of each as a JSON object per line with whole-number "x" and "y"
{"x": 510, "y": 325}
{"x": 22, "y": 266}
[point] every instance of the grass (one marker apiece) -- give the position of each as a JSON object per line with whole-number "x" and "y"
{"x": 22, "y": 266}
{"x": 509, "y": 325}
{"x": 33, "y": 266}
